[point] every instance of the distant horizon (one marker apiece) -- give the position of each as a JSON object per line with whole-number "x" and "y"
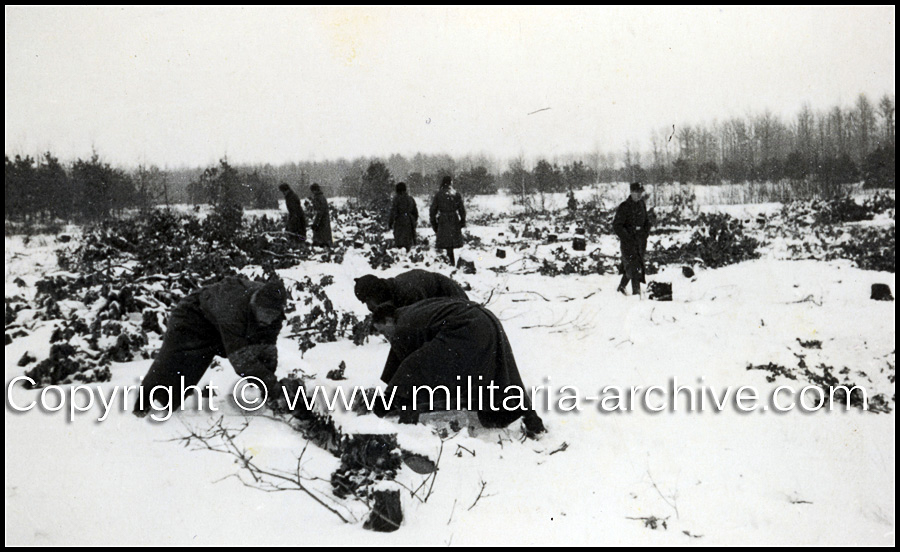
{"x": 185, "y": 87}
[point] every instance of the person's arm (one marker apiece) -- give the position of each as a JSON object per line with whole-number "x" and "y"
{"x": 648, "y": 221}
{"x": 462, "y": 209}
{"x": 433, "y": 213}
{"x": 392, "y": 217}
{"x": 390, "y": 366}
{"x": 321, "y": 207}
{"x": 618, "y": 224}
{"x": 414, "y": 214}
{"x": 442, "y": 352}
{"x": 227, "y": 307}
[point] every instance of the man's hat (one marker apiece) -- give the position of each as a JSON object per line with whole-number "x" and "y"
{"x": 384, "y": 311}
{"x": 637, "y": 187}
{"x": 271, "y": 296}
{"x": 447, "y": 180}
{"x": 371, "y": 286}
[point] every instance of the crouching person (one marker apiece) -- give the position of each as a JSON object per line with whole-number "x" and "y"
{"x": 234, "y": 318}
{"x": 453, "y": 343}
{"x": 406, "y": 288}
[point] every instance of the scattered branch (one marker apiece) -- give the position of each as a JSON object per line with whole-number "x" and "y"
{"x": 480, "y": 495}
{"x": 671, "y": 501}
{"x": 262, "y": 479}
{"x": 652, "y": 522}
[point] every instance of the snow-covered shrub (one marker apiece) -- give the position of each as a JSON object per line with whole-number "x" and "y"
{"x": 718, "y": 240}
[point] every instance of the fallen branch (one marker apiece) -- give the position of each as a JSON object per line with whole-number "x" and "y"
{"x": 262, "y": 479}
{"x": 652, "y": 521}
{"x": 671, "y": 501}
{"x": 460, "y": 447}
{"x": 480, "y": 495}
{"x": 808, "y": 299}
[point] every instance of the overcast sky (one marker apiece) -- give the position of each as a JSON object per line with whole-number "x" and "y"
{"x": 183, "y": 86}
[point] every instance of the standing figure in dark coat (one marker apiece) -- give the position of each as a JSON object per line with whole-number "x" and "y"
{"x": 453, "y": 343}
{"x": 296, "y": 223}
{"x": 321, "y": 222}
{"x": 632, "y": 225}
{"x": 448, "y": 217}
{"x": 405, "y": 289}
{"x": 234, "y": 318}
{"x": 403, "y": 218}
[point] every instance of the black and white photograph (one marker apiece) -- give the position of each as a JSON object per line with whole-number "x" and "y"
{"x": 450, "y": 275}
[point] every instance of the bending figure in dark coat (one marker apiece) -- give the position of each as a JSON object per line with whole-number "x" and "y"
{"x": 234, "y": 318}
{"x": 405, "y": 289}
{"x": 403, "y": 217}
{"x": 632, "y": 225}
{"x": 452, "y": 343}
{"x": 296, "y": 223}
{"x": 447, "y": 217}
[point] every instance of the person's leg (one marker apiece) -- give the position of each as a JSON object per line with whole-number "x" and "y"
{"x": 166, "y": 372}
{"x": 451, "y": 256}
{"x": 635, "y": 287}
{"x": 622, "y": 283}
{"x": 188, "y": 348}
{"x": 533, "y": 424}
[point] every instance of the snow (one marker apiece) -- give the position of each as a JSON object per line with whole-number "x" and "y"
{"x": 726, "y": 477}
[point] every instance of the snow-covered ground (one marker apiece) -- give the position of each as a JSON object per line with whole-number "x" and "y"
{"x": 714, "y": 477}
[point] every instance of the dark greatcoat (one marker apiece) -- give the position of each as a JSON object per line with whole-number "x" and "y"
{"x": 402, "y": 220}
{"x": 215, "y": 320}
{"x": 417, "y": 285}
{"x": 296, "y": 219}
{"x": 632, "y": 225}
{"x": 448, "y": 216}
{"x": 321, "y": 223}
{"x": 439, "y": 339}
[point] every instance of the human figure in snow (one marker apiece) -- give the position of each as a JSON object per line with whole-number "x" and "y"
{"x": 452, "y": 343}
{"x": 448, "y": 217}
{"x": 406, "y": 288}
{"x": 296, "y": 223}
{"x": 403, "y": 217}
{"x": 321, "y": 220}
{"x": 632, "y": 225}
{"x": 235, "y": 318}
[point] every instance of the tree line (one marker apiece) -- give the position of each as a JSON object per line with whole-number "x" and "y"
{"x": 43, "y": 190}
{"x": 835, "y": 146}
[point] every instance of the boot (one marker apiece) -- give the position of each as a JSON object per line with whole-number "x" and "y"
{"x": 622, "y": 283}
{"x": 533, "y": 425}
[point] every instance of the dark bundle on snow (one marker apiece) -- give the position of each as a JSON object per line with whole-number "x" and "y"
{"x": 687, "y": 271}
{"x": 660, "y": 291}
{"x": 579, "y": 244}
{"x": 387, "y": 514}
{"x": 501, "y": 253}
{"x": 468, "y": 267}
{"x": 882, "y": 292}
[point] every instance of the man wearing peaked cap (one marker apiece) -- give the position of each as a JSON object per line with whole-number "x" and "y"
{"x": 632, "y": 225}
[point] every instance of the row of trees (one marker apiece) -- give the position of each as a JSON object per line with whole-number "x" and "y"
{"x": 839, "y": 145}
{"x": 42, "y": 190}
